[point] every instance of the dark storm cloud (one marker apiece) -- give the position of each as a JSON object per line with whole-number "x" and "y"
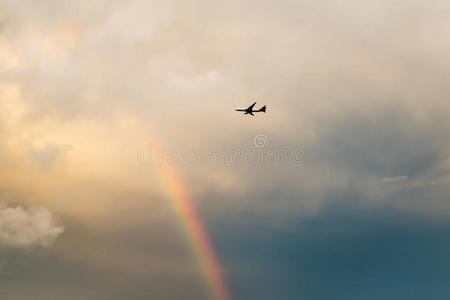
{"x": 343, "y": 253}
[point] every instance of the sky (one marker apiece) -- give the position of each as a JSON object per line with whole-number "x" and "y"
{"x": 340, "y": 191}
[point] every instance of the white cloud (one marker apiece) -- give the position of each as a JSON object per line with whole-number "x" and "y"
{"x": 25, "y": 227}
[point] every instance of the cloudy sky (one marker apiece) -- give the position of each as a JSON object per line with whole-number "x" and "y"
{"x": 340, "y": 191}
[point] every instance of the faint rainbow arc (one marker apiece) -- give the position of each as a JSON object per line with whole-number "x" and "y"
{"x": 192, "y": 224}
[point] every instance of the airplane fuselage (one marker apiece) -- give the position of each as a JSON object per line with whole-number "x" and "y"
{"x": 246, "y": 111}
{"x": 250, "y": 110}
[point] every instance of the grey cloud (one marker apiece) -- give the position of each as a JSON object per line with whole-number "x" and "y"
{"x": 358, "y": 152}
{"x": 49, "y": 154}
{"x": 385, "y": 143}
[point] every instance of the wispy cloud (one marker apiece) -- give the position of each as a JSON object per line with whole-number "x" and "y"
{"x": 395, "y": 179}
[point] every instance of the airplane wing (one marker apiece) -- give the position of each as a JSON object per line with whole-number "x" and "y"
{"x": 250, "y": 108}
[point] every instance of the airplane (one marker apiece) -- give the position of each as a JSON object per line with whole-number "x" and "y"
{"x": 250, "y": 110}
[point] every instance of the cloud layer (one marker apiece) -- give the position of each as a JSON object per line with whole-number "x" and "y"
{"x": 360, "y": 87}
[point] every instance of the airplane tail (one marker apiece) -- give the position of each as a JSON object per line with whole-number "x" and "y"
{"x": 263, "y": 109}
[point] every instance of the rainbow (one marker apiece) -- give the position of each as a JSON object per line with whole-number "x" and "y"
{"x": 193, "y": 226}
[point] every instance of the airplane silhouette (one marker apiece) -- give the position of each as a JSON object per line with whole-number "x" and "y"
{"x": 250, "y": 110}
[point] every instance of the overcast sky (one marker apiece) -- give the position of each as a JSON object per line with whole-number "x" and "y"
{"x": 350, "y": 201}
